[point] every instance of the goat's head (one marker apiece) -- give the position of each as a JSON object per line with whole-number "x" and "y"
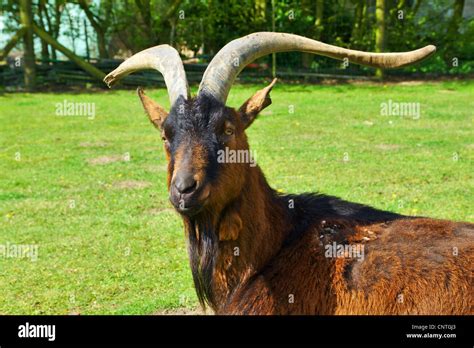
{"x": 196, "y": 129}
{"x": 197, "y": 132}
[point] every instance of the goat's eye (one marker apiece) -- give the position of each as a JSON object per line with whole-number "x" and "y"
{"x": 165, "y": 141}
{"x": 229, "y": 131}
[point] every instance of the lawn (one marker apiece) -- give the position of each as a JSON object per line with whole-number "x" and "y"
{"x": 91, "y": 192}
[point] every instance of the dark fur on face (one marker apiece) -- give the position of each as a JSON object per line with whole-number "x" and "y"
{"x": 197, "y": 121}
{"x": 201, "y": 123}
{"x": 202, "y": 249}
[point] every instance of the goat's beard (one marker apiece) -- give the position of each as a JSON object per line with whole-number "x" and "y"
{"x": 202, "y": 248}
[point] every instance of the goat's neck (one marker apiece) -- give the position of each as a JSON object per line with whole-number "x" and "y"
{"x": 230, "y": 247}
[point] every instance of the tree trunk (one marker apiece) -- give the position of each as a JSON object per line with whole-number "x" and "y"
{"x": 148, "y": 28}
{"x": 453, "y": 29}
{"x": 86, "y": 39}
{"x": 99, "y": 30}
{"x": 90, "y": 69}
{"x": 44, "y": 45}
{"x": 417, "y": 7}
{"x": 43, "y": 6}
{"x": 365, "y": 19}
{"x": 58, "y": 7}
{"x": 29, "y": 50}
{"x": 172, "y": 40}
{"x": 54, "y": 29}
{"x": 358, "y": 18}
{"x": 307, "y": 58}
{"x": 274, "y": 59}
{"x": 318, "y": 23}
{"x": 379, "y": 31}
{"x": 71, "y": 29}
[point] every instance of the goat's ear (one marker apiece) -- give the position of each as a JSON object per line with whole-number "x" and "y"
{"x": 155, "y": 112}
{"x": 259, "y": 101}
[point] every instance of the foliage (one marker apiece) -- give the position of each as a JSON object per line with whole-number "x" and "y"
{"x": 204, "y": 26}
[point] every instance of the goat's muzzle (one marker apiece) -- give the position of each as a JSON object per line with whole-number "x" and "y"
{"x": 187, "y": 194}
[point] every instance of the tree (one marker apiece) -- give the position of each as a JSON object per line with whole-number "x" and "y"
{"x": 73, "y": 32}
{"x": 12, "y": 43}
{"x": 44, "y": 45}
{"x": 152, "y": 25}
{"x": 453, "y": 29}
{"x": 140, "y": 24}
{"x": 52, "y": 13}
{"x": 360, "y": 15}
{"x": 90, "y": 69}
{"x": 318, "y": 21}
{"x": 99, "y": 25}
{"x": 29, "y": 69}
{"x": 315, "y": 31}
{"x": 274, "y": 60}
{"x": 379, "y": 31}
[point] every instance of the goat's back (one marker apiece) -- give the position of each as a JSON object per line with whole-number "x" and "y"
{"x": 407, "y": 266}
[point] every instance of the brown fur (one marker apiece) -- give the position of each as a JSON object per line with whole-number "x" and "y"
{"x": 402, "y": 273}
{"x": 267, "y": 261}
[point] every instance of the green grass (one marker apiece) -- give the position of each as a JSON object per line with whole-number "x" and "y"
{"x": 122, "y": 250}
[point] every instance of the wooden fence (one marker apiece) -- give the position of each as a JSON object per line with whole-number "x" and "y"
{"x": 66, "y": 73}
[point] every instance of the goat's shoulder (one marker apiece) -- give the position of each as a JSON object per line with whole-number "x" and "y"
{"x": 332, "y": 217}
{"x": 384, "y": 265}
{"x": 367, "y": 249}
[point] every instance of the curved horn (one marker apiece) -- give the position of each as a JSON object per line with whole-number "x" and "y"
{"x": 233, "y": 57}
{"x": 163, "y": 58}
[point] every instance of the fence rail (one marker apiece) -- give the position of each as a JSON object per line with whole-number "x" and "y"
{"x": 65, "y": 73}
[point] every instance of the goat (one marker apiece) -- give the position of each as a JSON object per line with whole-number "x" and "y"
{"x": 255, "y": 251}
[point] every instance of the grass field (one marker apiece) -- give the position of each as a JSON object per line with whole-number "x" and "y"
{"x": 91, "y": 193}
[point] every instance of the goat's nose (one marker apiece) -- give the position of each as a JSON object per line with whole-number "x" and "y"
{"x": 185, "y": 183}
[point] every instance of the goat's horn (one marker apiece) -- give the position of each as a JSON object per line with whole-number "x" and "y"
{"x": 163, "y": 58}
{"x": 233, "y": 57}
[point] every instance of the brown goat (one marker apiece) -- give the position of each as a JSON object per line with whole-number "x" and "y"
{"x": 254, "y": 251}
